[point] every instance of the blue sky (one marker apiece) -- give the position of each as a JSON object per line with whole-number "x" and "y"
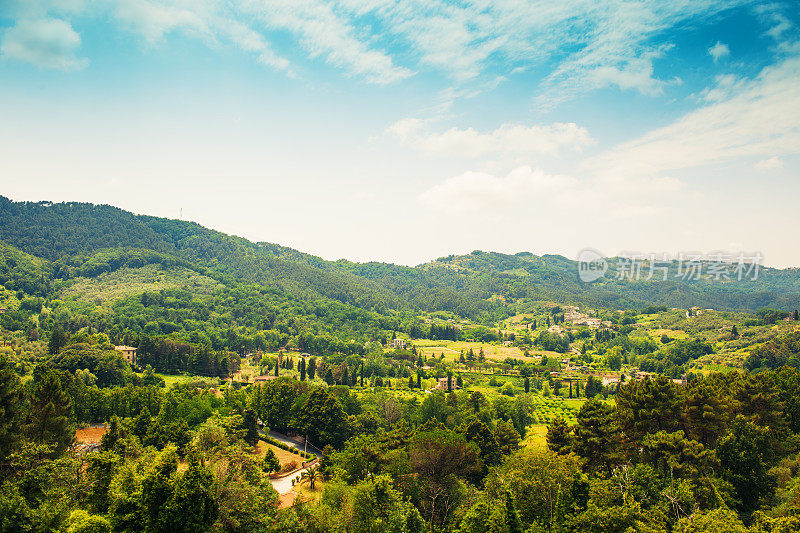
{"x": 378, "y": 130}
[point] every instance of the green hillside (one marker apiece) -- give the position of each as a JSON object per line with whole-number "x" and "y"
{"x": 84, "y": 240}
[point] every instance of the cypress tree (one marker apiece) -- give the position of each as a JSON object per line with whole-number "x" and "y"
{"x": 527, "y": 384}
{"x": 57, "y": 340}
{"x": 410, "y": 382}
{"x": 302, "y": 366}
{"x": 459, "y": 381}
{"x": 312, "y": 368}
{"x": 361, "y": 374}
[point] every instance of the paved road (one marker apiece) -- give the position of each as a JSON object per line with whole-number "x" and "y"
{"x": 286, "y": 440}
{"x": 284, "y": 484}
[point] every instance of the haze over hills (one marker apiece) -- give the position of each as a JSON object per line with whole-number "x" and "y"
{"x": 44, "y": 242}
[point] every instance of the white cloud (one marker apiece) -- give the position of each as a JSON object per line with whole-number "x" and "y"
{"x": 749, "y": 118}
{"x": 406, "y": 127}
{"x": 525, "y": 190}
{"x": 480, "y": 191}
{"x": 326, "y": 33}
{"x": 718, "y": 51}
{"x": 154, "y": 20}
{"x": 48, "y": 43}
{"x": 509, "y": 138}
{"x": 772, "y": 163}
{"x": 581, "y": 45}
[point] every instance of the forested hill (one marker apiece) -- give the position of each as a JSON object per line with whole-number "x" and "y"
{"x": 81, "y": 239}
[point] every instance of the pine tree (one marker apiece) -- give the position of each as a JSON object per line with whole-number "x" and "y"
{"x": 345, "y": 376}
{"x": 598, "y": 436}
{"x": 51, "y": 409}
{"x": 271, "y": 462}
{"x": 559, "y": 436}
{"x": 11, "y": 407}
{"x": 513, "y": 523}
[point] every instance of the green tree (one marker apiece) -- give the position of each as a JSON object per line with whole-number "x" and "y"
{"x": 250, "y": 427}
{"x": 50, "y": 411}
{"x": 12, "y": 404}
{"x": 322, "y": 419}
{"x": 513, "y": 523}
{"x": 271, "y": 462}
{"x": 375, "y": 506}
{"x": 714, "y": 521}
{"x": 310, "y": 477}
{"x": 482, "y": 436}
{"x": 191, "y": 507}
{"x": 157, "y": 488}
{"x": 559, "y": 436}
{"x": 544, "y": 486}
{"x": 100, "y": 473}
{"x": 507, "y": 437}
{"x": 745, "y": 453}
{"x": 312, "y": 368}
{"x": 597, "y": 436}
{"x": 649, "y": 406}
{"x": 57, "y": 340}
{"x": 707, "y": 411}
{"x": 80, "y": 521}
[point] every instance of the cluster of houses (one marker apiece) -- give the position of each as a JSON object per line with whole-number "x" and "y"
{"x": 576, "y": 318}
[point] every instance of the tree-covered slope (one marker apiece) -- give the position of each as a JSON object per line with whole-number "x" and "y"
{"x": 82, "y": 239}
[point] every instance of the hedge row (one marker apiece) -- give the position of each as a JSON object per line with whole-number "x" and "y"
{"x": 287, "y": 447}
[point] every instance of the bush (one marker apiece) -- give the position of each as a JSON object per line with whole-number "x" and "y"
{"x": 288, "y": 467}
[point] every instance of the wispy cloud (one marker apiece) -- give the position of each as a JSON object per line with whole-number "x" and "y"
{"x": 47, "y": 43}
{"x": 772, "y": 163}
{"x": 579, "y": 45}
{"x": 748, "y": 118}
{"x": 509, "y": 138}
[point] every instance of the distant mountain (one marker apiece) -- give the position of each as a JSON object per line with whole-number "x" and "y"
{"x": 63, "y": 240}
